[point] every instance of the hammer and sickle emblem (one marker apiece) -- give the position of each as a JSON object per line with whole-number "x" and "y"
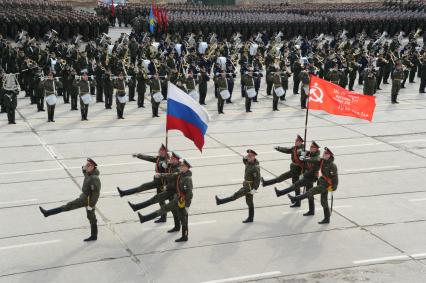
{"x": 316, "y": 94}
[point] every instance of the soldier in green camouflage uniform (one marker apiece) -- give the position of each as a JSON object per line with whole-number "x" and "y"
{"x": 397, "y": 77}
{"x": 296, "y": 166}
{"x": 160, "y": 167}
{"x": 88, "y": 198}
{"x": 250, "y": 184}
{"x": 327, "y": 182}
{"x": 181, "y": 201}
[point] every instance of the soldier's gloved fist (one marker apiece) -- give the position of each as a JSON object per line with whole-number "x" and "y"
{"x": 303, "y": 153}
{"x": 302, "y": 158}
{"x": 253, "y": 191}
{"x": 89, "y": 208}
{"x": 164, "y": 165}
{"x": 187, "y": 209}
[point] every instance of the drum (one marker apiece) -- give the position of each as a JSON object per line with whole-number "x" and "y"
{"x": 87, "y": 98}
{"x": 225, "y": 94}
{"x": 158, "y": 97}
{"x": 251, "y": 92}
{"x": 279, "y": 91}
{"x": 194, "y": 94}
{"x": 123, "y": 99}
{"x": 51, "y": 99}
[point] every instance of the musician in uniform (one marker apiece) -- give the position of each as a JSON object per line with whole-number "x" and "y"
{"x": 276, "y": 81}
{"x": 203, "y": 78}
{"x": 73, "y": 89}
{"x": 108, "y": 88}
{"x": 248, "y": 82}
{"x": 397, "y": 76}
{"x": 328, "y": 181}
{"x": 10, "y": 103}
{"x": 422, "y": 73}
{"x": 155, "y": 90}
{"x": 141, "y": 86}
{"x": 49, "y": 87}
{"x": 88, "y": 198}
{"x": 83, "y": 86}
{"x": 304, "y": 79}
{"x": 222, "y": 87}
{"x": 370, "y": 81}
{"x": 120, "y": 95}
{"x": 131, "y": 73}
{"x": 181, "y": 201}
{"x": 250, "y": 184}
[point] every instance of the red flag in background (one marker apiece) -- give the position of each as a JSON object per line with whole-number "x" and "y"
{"x": 160, "y": 19}
{"x": 336, "y": 100}
{"x": 112, "y": 8}
{"x": 165, "y": 20}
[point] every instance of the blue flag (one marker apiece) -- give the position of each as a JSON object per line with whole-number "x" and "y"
{"x": 151, "y": 21}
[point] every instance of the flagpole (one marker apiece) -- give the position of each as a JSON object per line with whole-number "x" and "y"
{"x": 306, "y": 128}
{"x": 167, "y": 140}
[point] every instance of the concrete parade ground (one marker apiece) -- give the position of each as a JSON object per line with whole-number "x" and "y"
{"x": 377, "y": 227}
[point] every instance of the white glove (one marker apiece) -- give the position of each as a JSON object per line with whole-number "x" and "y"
{"x": 302, "y": 157}
{"x": 92, "y": 77}
{"x": 89, "y": 208}
{"x": 164, "y": 165}
{"x": 157, "y": 176}
{"x": 253, "y": 191}
{"x": 187, "y": 209}
{"x": 303, "y": 153}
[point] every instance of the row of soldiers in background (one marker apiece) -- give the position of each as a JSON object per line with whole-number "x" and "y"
{"x": 39, "y": 17}
{"x": 329, "y": 22}
{"x": 125, "y": 14}
{"x": 137, "y": 61}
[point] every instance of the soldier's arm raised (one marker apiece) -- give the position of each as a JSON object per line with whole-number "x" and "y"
{"x": 287, "y": 150}
{"x": 148, "y": 158}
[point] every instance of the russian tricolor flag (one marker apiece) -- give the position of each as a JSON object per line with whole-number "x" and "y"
{"x": 186, "y": 115}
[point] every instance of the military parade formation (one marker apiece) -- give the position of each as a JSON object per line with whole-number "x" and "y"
{"x": 69, "y": 56}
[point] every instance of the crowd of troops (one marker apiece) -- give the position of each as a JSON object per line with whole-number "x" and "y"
{"x": 37, "y": 18}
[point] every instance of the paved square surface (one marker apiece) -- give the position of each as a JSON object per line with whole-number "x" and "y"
{"x": 377, "y": 227}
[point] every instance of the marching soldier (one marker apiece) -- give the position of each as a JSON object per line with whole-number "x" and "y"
{"x": 397, "y": 77}
{"x": 250, "y": 184}
{"x": 296, "y": 166}
{"x": 181, "y": 201}
{"x": 73, "y": 90}
{"x": 132, "y": 82}
{"x": 141, "y": 86}
{"x": 370, "y": 82}
{"x": 311, "y": 161}
{"x": 161, "y": 166}
{"x": 120, "y": 95}
{"x": 276, "y": 81}
{"x": 328, "y": 181}
{"x": 108, "y": 89}
{"x": 88, "y": 198}
{"x": 168, "y": 194}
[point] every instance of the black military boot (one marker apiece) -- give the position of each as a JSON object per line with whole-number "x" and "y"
{"x": 141, "y": 205}
{"x": 148, "y": 217}
{"x": 184, "y": 237}
{"x": 49, "y": 212}
{"x": 297, "y": 198}
{"x": 162, "y": 219}
{"x": 326, "y": 219}
{"x": 223, "y": 200}
{"x": 311, "y": 210}
{"x": 123, "y": 193}
{"x": 177, "y": 223}
{"x": 93, "y": 234}
{"x": 283, "y": 192}
{"x": 250, "y": 216}
{"x": 267, "y": 183}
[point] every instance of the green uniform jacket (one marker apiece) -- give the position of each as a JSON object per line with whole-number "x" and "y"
{"x": 9, "y": 99}
{"x": 91, "y": 188}
{"x": 184, "y": 187}
{"x": 251, "y": 174}
{"x": 312, "y": 164}
{"x": 221, "y": 83}
{"x": 329, "y": 173}
{"x": 295, "y": 152}
{"x": 48, "y": 87}
{"x": 248, "y": 81}
{"x": 161, "y": 165}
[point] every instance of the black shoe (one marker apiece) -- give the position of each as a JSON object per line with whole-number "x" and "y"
{"x": 276, "y": 109}
{"x": 120, "y": 192}
{"x": 296, "y": 204}
{"x": 145, "y": 218}
{"x": 91, "y": 238}
{"x": 217, "y": 200}
{"x": 174, "y": 229}
{"x": 162, "y": 219}
{"x": 292, "y": 198}
{"x": 277, "y": 192}
{"x": 182, "y": 239}
{"x": 43, "y": 211}
{"x": 248, "y": 111}
{"x": 133, "y": 206}
{"x": 248, "y": 220}
{"x": 262, "y": 181}
{"x": 309, "y": 213}
{"x": 324, "y": 221}
{"x": 379, "y": 88}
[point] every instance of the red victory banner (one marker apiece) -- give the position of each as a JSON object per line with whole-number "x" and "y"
{"x": 336, "y": 100}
